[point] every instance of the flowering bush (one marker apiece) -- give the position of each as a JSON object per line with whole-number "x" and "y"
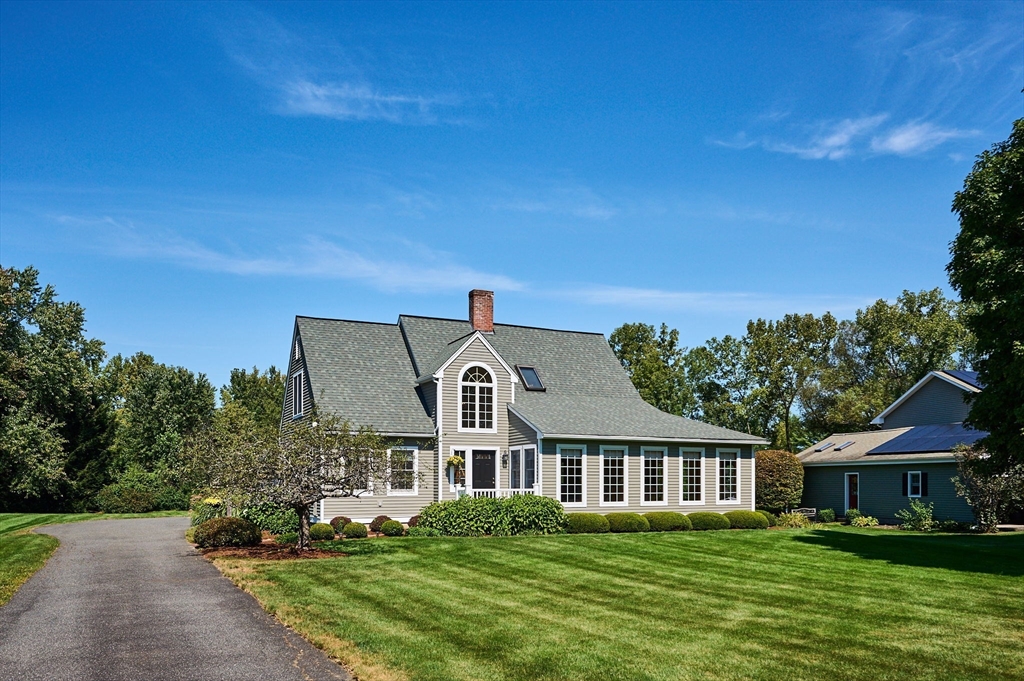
{"x": 793, "y": 520}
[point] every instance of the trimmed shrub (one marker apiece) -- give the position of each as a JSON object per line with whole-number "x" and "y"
{"x": 206, "y": 509}
{"x": 779, "y": 479}
{"x": 339, "y": 522}
{"x": 852, "y": 515}
{"x": 627, "y": 522}
{"x": 138, "y": 491}
{"x": 864, "y": 521}
{"x": 420, "y": 531}
{"x": 414, "y": 521}
{"x": 287, "y": 538}
{"x": 227, "y": 532}
{"x": 746, "y": 520}
{"x": 273, "y": 519}
{"x": 708, "y": 520}
{"x": 668, "y": 521}
{"x": 587, "y": 523}
{"x": 772, "y": 519}
{"x": 827, "y": 515}
{"x": 474, "y": 517}
{"x": 392, "y": 528}
{"x": 793, "y": 520}
{"x": 354, "y": 531}
{"x": 376, "y": 523}
{"x": 530, "y": 514}
{"x": 321, "y": 532}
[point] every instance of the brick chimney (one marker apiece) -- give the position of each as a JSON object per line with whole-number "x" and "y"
{"x": 481, "y": 310}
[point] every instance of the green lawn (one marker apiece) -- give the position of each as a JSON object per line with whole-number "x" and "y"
{"x": 22, "y": 553}
{"x": 801, "y": 604}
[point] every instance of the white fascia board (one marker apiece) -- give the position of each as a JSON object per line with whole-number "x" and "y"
{"x": 880, "y": 419}
{"x": 892, "y": 462}
{"x": 426, "y": 435}
{"x": 476, "y": 334}
{"x": 525, "y": 420}
{"x": 635, "y": 438}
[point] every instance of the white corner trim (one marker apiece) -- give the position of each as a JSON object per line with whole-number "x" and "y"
{"x": 880, "y": 419}
{"x": 753, "y": 479}
{"x": 699, "y": 451}
{"x": 625, "y": 477}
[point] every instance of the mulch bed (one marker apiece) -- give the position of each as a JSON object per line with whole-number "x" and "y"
{"x": 268, "y": 551}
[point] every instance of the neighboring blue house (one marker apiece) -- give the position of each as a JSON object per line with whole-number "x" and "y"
{"x": 878, "y": 472}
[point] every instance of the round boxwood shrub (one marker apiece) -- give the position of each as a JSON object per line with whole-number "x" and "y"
{"x": 414, "y": 521}
{"x": 746, "y": 520}
{"x": 463, "y": 517}
{"x": 852, "y": 515}
{"x": 827, "y": 515}
{"x": 667, "y": 521}
{"x": 587, "y": 523}
{"x": 227, "y": 532}
{"x": 354, "y": 531}
{"x": 377, "y": 522}
{"x": 708, "y": 520}
{"x": 339, "y": 522}
{"x": 321, "y": 532}
{"x": 392, "y": 528}
{"x": 627, "y": 522}
{"x": 772, "y": 519}
{"x": 779, "y": 479}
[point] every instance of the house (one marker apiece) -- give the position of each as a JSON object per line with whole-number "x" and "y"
{"x": 909, "y": 457}
{"x": 495, "y": 410}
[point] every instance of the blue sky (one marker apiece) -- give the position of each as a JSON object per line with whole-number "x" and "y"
{"x": 196, "y": 175}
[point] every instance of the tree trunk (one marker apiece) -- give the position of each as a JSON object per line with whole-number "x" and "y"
{"x": 303, "y": 513}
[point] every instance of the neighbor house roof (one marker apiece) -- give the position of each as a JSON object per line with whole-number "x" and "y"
{"x": 893, "y": 445}
{"x": 965, "y": 380}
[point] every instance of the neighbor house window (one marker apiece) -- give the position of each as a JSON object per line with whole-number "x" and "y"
{"x": 654, "y": 475}
{"x": 298, "y": 398}
{"x": 403, "y": 471}
{"x": 522, "y": 467}
{"x": 691, "y": 474}
{"x": 728, "y": 479}
{"x": 613, "y": 475}
{"x": 477, "y": 398}
{"x": 571, "y": 476}
{"x": 914, "y": 484}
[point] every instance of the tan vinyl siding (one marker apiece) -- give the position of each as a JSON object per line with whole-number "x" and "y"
{"x": 519, "y": 432}
{"x": 634, "y": 463}
{"x": 429, "y": 393}
{"x": 881, "y": 490}
{"x": 399, "y": 507}
{"x": 935, "y": 402}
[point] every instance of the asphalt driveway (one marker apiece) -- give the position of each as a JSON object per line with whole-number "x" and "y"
{"x": 131, "y": 599}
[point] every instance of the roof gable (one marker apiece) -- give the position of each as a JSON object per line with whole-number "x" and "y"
{"x": 946, "y": 376}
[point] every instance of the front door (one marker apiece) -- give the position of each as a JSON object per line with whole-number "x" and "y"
{"x": 483, "y": 468}
{"x": 852, "y": 491}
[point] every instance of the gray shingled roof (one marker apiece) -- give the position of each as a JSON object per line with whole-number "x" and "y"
{"x": 860, "y": 450}
{"x": 361, "y": 371}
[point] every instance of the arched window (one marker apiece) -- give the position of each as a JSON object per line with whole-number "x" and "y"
{"x": 477, "y": 398}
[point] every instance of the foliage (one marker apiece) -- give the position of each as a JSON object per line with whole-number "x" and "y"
{"x": 746, "y": 520}
{"x": 587, "y": 523}
{"x": 667, "y": 521}
{"x": 827, "y": 515}
{"x": 420, "y": 531}
{"x": 627, "y": 522}
{"x": 779, "y": 479}
{"x": 272, "y": 518}
{"x": 392, "y": 528}
{"x": 414, "y": 520}
{"x": 321, "y": 532}
{"x": 852, "y": 514}
{"x": 708, "y": 520}
{"x": 987, "y": 269}
{"x": 56, "y": 425}
{"x": 377, "y": 522}
{"x": 227, "y": 532}
{"x": 340, "y": 521}
{"x": 772, "y": 519}
{"x": 951, "y": 525}
{"x": 531, "y": 514}
{"x": 287, "y": 538}
{"x": 793, "y": 520}
{"x": 137, "y": 491}
{"x": 477, "y": 516}
{"x": 204, "y": 509}
{"x": 864, "y": 521}
{"x": 653, "y": 361}
{"x": 260, "y": 394}
{"x": 990, "y": 490}
{"x": 919, "y": 517}
{"x": 354, "y": 530}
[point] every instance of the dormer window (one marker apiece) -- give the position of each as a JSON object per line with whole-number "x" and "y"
{"x": 477, "y": 391}
{"x": 531, "y": 379}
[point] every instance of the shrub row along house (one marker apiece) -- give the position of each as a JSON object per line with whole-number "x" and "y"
{"x": 878, "y": 472}
{"x": 495, "y": 410}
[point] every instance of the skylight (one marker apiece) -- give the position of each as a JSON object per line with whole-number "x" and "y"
{"x": 824, "y": 446}
{"x": 531, "y": 379}
{"x": 844, "y": 445}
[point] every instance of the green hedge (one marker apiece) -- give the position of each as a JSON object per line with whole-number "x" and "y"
{"x": 668, "y": 521}
{"x": 478, "y": 516}
{"x": 746, "y": 520}
{"x": 392, "y": 528}
{"x": 587, "y": 523}
{"x": 707, "y": 520}
{"x": 138, "y": 491}
{"x": 273, "y": 519}
{"x": 321, "y": 532}
{"x": 354, "y": 531}
{"x": 627, "y": 522}
{"x": 227, "y": 532}
{"x": 772, "y": 519}
{"x": 420, "y": 531}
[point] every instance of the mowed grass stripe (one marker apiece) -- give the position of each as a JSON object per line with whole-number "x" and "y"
{"x": 728, "y": 605}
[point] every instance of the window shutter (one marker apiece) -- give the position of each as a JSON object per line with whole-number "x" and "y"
{"x": 924, "y": 484}
{"x": 905, "y": 476}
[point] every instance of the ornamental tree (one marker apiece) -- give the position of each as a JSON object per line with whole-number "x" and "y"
{"x": 779, "y": 481}
{"x": 989, "y": 493}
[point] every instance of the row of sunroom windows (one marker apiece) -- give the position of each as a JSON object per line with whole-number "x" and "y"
{"x": 572, "y": 479}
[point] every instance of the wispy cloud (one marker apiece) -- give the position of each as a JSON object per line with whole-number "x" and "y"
{"x": 913, "y": 138}
{"x": 558, "y": 199}
{"x": 349, "y": 101}
{"x": 834, "y": 141}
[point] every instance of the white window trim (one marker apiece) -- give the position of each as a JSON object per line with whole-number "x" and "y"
{"x": 302, "y": 394}
{"x": 625, "y": 476}
{"x": 699, "y": 451}
{"x": 910, "y": 485}
{"x": 664, "y": 476}
{"x": 558, "y": 477}
{"x": 718, "y": 474}
{"x": 415, "y": 473}
{"x": 494, "y": 398}
{"x": 846, "y": 491}
{"x": 522, "y": 466}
